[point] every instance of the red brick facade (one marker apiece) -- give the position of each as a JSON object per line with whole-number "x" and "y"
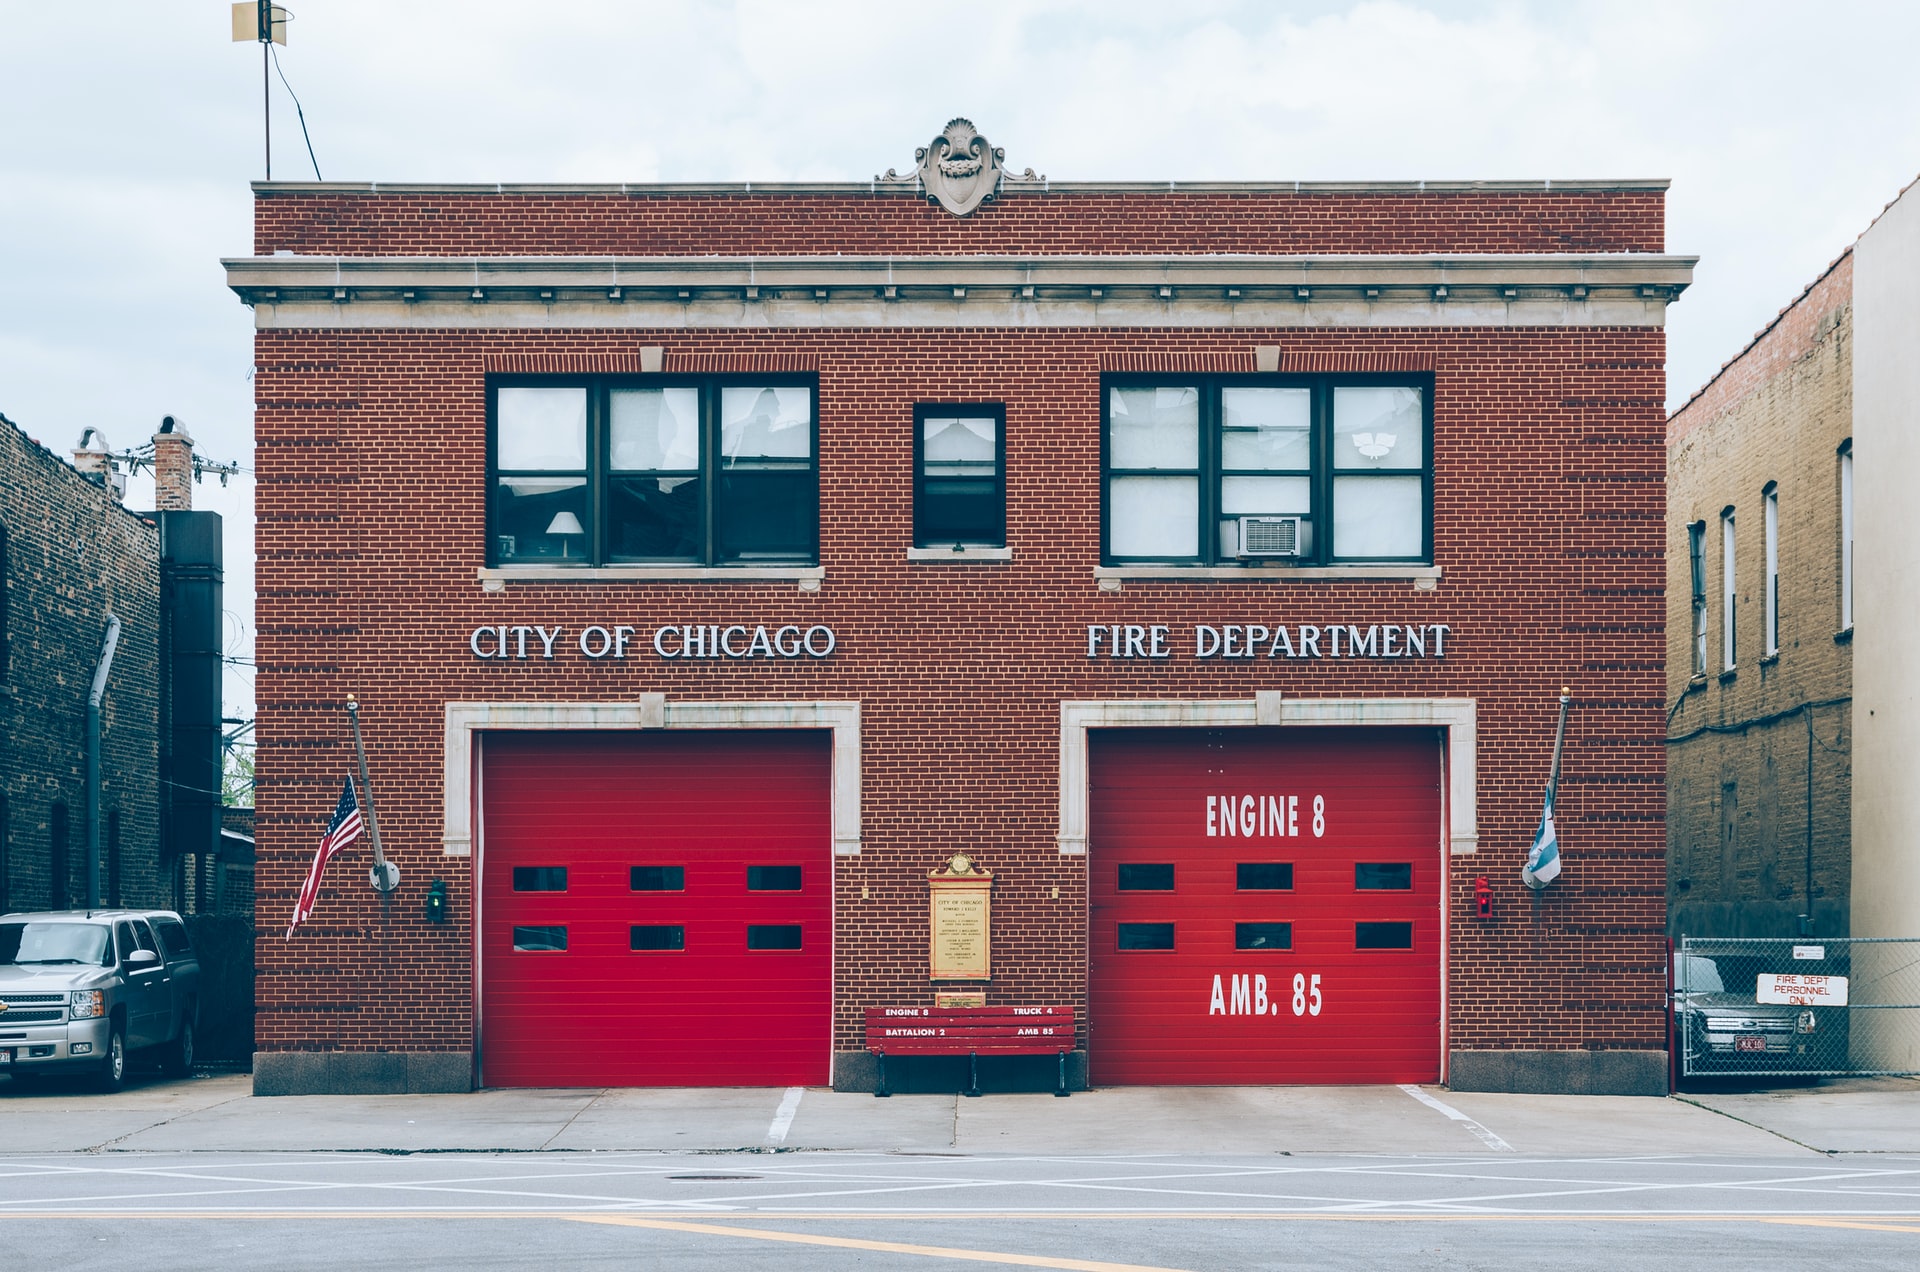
{"x": 1547, "y": 527}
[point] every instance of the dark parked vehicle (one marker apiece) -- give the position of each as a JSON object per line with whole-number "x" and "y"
{"x": 1724, "y": 1029}
{"x": 80, "y": 990}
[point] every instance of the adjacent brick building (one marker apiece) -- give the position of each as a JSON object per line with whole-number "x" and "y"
{"x": 713, "y": 564}
{"x": 70, "y": 556}
{"x": 1760, "y": 661}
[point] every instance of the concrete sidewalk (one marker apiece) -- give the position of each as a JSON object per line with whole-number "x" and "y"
{"x": 219, "y": 1114}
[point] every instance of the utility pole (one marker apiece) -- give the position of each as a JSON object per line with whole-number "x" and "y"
{"x": 265, "y": 22}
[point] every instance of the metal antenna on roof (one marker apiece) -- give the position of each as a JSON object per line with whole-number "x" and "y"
{"x": 265, "y": 22}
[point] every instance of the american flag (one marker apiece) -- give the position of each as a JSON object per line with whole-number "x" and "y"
{"x": 341, "y": 831}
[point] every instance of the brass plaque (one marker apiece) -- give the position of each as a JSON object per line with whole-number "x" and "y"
{"x": 960, "y": 923}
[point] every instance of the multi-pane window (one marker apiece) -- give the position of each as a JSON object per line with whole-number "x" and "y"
{"x": 1728, "y": 593}
{"x": 1846, "y": 536}
{"x": 614, "y": 472}
{"x": 1697, "y": 564}
{"x": 1308, "y": 470}
{"x": 1770, "y": 514}
{"x": 959, "y": 476}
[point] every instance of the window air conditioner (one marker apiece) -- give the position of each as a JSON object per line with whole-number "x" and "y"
{"x": 1270, "y": 536}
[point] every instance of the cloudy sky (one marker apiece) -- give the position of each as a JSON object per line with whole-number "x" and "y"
{"x": 129, "y": 131}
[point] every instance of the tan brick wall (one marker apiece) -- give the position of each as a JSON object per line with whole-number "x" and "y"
{"x": 1758, "y": 761}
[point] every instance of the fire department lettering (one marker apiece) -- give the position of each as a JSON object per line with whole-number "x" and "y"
{"x": 1236, "y": 994}
{"x": 522, "y": 641}
{"x": 1262, "y": 816}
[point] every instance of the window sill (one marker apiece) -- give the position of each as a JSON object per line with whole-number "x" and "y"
{"x": 1844, "y": 636}
{"x": 1697, "y": 683}
{"x": 1771, "y": 659}
{"x": 809, "y": 577}
{"x": 962, "y": 553}
{"x": 1423, "y": 577}
{"x": 1728, "y": 676}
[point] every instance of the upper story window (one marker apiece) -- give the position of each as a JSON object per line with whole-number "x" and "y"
{"x": 1697, "y": 564}
{"x": 1770, "y": 511}
{"x": 1729, "y": 594}
{"x": 959, "y": 476}
{"x": 1846, "y": 535}
{"x": 689, "y": 471}
{"x": 1310, "y": 470}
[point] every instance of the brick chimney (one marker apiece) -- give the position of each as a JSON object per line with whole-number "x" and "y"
{"x": 90, "y": 460}
{"x": 172, "y": 466}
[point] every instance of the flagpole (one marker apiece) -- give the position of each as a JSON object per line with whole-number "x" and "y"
{"x": 1559, "y": 738}
{"x": 387, "y": 877}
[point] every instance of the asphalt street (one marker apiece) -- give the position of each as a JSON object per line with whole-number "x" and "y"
{"x": 200, "y": 1174}
{"x": 893, "y": 1210}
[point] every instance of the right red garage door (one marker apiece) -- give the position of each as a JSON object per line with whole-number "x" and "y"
{"x": 1265, "y": 906}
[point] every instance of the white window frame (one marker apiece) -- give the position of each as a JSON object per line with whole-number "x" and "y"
{"x": 1846, "y": 535}
{"x": 1729, "y": 595}
{"x": 1770, "y": 509}
{"x": 1697, "y": 592}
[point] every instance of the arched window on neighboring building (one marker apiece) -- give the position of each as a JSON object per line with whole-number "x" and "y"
{"x": 59, "y": 865}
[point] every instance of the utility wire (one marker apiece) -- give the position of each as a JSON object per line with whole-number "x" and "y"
{"x": 296, "y": 110}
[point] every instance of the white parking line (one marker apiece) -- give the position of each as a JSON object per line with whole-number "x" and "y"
{"x": 1480, "y": 1132}
{"x": 783, "y": 1116}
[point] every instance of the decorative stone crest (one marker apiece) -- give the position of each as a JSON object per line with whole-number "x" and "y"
{"x": 960, "y": 169}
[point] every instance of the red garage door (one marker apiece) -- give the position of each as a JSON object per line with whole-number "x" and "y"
{"x": 656, "y": 909}
{"x": 1266, "y": 906}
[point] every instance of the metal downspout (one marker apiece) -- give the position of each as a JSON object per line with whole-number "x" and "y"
{"x": 93, "y": 760}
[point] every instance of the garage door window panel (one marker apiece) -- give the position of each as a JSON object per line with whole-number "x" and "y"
{"x": 1383, "y": 936}
{"x": 773, "y": 936}
{"x": 1145, "y": 936}
{"x": 657, "y": 879}
{"x": 539, "y": 878}
{"x": 1263, "y": 876}
{"x": 1383, "y": 876}
{"x": 1263, "y": 936}
{"x": 657, "y": 938}
{"x": 1145, "y": 877}
{"x": 1342, "y": 464}
{"x": 540, "y": 939}
{"x": 773, "y": 878}
{"x": 614, "y": 471}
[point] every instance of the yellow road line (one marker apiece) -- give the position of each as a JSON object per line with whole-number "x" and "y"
{"x": 1865, "y": 1223}
{"x": 882, "y": 1247}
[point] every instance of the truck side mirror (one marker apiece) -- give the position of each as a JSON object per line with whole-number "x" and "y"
{"x": 140, "y": 958}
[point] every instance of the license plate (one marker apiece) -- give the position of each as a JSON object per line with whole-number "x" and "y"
{"x": 1749, "y": 1042}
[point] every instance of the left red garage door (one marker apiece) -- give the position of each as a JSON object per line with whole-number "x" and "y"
{"x": 656, "y": 909}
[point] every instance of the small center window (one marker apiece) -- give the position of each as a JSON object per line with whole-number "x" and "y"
{"x": 959, "y": 488}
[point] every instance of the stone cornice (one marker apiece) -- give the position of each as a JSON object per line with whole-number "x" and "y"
{"x": 1009, "y": 185}
{"x": 1620, "y": 289}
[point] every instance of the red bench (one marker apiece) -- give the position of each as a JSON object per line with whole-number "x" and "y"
{"x": 971, "y": 1032}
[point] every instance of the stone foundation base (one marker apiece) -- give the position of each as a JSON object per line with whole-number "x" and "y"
{"x": 1559, "y": 1072}
{"x": 361, "y": 1072}
{"x": 944, "y": 1075}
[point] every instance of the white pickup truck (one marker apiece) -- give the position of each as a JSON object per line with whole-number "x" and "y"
{"x": 82, "y": 989}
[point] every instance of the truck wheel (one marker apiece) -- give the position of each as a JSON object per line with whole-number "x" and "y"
{"x": 178, "y": 1058}
{"x": 112, "y": 1074}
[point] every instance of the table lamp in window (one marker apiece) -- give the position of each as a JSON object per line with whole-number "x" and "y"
{"x": 566, "y": 525}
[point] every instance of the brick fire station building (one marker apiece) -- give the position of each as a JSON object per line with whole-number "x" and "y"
{"x": 713, "y": 564}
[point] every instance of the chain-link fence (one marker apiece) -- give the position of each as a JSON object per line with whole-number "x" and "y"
{"x": 1813, "y": 1007}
